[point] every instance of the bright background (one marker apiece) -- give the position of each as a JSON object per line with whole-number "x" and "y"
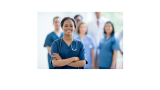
{"x": 18, "y": 48}
{"x": 45, "y": 26}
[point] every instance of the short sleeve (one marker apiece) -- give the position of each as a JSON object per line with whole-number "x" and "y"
{"x": 115, "y": 44}
{"x": 54, "y": 49}
{"x": 82, "y": 55}
{"x": 48, "y": 41}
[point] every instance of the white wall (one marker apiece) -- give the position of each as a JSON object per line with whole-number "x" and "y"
{"x": 45, "y": 26}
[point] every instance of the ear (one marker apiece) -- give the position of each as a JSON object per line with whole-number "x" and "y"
{"x": 74, "y": 29}
{"x": 62, "y": 28}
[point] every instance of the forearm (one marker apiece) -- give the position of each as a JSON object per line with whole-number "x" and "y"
{"x": 93, "y": 58}
{"x": 61, "y": 62}
{"x": 114, "y": 59}
{"x": 80, "y": 63}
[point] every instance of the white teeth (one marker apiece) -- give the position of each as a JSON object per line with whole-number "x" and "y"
{"x": 68, "y": 30}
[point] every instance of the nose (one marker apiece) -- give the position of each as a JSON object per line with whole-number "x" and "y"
{"x": 69, "y": 28}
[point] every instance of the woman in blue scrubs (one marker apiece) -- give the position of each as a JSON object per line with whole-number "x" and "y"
{"x": 52, "y": 37}
{"x": 88, "y": 44}
{"x": 108, "y": 47}
{"x": 68, "y": 53}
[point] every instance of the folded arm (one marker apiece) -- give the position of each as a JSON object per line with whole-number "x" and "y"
{"x": 80, "y": 63}
{"x": 59, "y": 62}
{"x": 73, "y": 61}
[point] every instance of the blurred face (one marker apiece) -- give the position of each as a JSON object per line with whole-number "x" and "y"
{"x": 78, "y": 20}
{"x": 98, "y": 14}
{"x": 56, "y": 23}
{"x": 83, "y": 29}
{"x": 108, "y": 28}
{"x": 68, "y": 27}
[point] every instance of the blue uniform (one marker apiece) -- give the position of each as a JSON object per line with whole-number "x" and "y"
{"x": 89, "y": 44}
{"x": 106, "y": 51}
{"x": 67, "y": 52}
{"x": 49, "y": 40}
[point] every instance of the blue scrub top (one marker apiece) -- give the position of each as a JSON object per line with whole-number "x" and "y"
{"x": 106, "y": 51}
{"x": 66, "y": 51}
{"x": 49, "y": 40}
{"x": 89, "y": 44}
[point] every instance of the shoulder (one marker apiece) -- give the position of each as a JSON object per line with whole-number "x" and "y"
{"x": 50, "y": 34}
{"x": 76, "y": 37}
{"x": 114, "y": 38}
{"x": 104, "y": 19}
{"x": 78, "y": 42}
{"x": 89, "y": 37}
{"x": 56, "y": 42}
{"x": 91, "y": 22}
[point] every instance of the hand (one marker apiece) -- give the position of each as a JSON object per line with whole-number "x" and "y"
{"x": 56, "y": 56}
{"x": 93, "y": 66}
{"x": 74, "y": 58}
{"x": 112, "y": 67}
{"x": 97, "y": 67}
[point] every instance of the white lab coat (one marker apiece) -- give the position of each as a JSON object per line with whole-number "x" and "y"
{"x": 97, "y": 32}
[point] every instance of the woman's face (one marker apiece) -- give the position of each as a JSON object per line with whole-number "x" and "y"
{"x": 68, "y": 27}
{"x": 83, "y": 29}
{"x": 108, "y": 28}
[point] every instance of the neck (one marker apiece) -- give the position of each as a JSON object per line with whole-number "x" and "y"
{"x": 98, "y": 18}
{"x": 108, "y": 35}
{"x": 57, "y": 30}
{"x": 82, "y": 36}
{"x": 67, "y": 37}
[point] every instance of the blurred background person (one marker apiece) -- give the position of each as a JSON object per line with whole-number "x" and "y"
{"x": 78, "y": 18}
{"x": 120, "y": 38}
{"x": 95, "y": 29}
{"x": 109, "y": 47}
{"x": 89, "y": 44}
{"x": 52, "y": 37}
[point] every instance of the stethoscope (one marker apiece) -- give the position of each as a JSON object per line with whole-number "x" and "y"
{"x": 71, "y": 45}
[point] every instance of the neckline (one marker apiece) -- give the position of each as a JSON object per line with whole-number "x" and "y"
{"x": 66, "y": 43}
{"x": 108, "y": 38}
{"x": 81, "y": 38}
{"x": 57, "y": 35}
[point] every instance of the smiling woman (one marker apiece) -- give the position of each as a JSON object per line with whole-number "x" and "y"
{"x": 66, "y": 52}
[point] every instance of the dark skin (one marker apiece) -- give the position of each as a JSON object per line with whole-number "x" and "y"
{"x": 68, "y": 29}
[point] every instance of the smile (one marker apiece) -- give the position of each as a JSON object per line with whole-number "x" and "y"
{"x": 68, "y": 30}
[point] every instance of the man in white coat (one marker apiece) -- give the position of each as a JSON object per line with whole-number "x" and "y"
{"x": 96, "y": 30}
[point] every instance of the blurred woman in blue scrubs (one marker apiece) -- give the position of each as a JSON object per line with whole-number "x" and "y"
{"x": 89, "y": 44}
{"x": 52, "y": 37}
{"x": 108, "y": 47}
{"x": 68, "y": 53}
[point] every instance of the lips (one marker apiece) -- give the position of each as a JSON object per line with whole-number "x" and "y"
{"x": 68, "y": 31}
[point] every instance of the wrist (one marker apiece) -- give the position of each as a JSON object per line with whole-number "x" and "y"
{"x": 71, "y": 59}
{"x": 112, "y": 64}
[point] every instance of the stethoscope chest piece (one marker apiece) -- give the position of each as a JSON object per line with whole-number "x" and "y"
{"x": 74, "y": 50}
{"x": 90, "y": 46}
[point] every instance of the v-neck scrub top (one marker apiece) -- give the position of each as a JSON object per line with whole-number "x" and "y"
{"x": 106, "y": 51}
{"x": 49, "y": 40}
{"x": 89, "y": 44}
{"x": 66, "y": 51}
